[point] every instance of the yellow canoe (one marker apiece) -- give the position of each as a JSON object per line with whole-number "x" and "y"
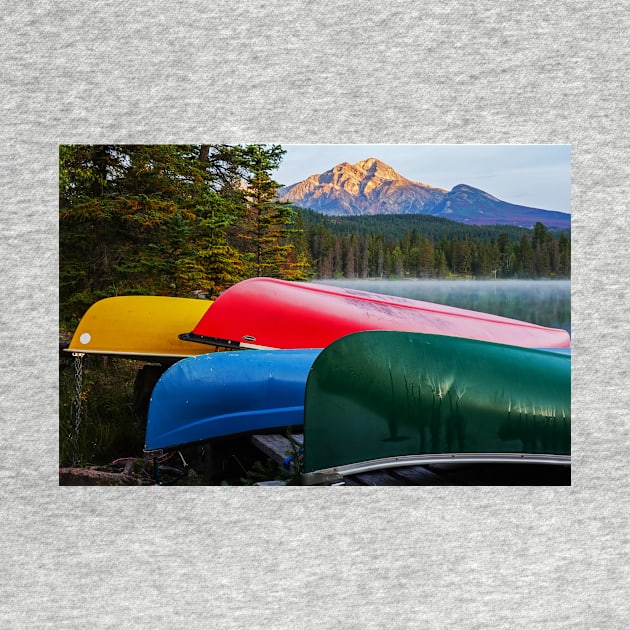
{"x": 141, "y": 327}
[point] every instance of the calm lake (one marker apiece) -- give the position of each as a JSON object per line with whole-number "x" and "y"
{"x": 543, "y": 302}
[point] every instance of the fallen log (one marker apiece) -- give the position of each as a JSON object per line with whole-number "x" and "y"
{"x": 96, "y": 477}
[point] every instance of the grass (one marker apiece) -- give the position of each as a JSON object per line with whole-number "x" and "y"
{"x": 108, "y": 427}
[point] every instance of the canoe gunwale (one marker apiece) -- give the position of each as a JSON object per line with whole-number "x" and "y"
{"x": 336, "y": 473}
{"x": 131, "y": 356}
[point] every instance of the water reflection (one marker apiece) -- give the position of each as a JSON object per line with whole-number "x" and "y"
{"x": 543, "y": 302}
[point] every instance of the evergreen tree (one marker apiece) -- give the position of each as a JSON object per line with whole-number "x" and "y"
{"x": 171, "y": 219}
{"x": 115, "y": 202}
{"x": 350, "y": 257}
{"x": 426, "y": 259}
{"x": 338, "y": 260}
{"x": 364, "y": 257}
{"x": 397, "y": 262}
{"x": 268, "y": 222}
{"x": 441, "y": 265}
{"x": 526, "y": 258}
{"x": 564, "y": 254}
{"x": 300, "y": 261}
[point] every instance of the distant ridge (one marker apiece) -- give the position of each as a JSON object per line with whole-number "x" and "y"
{"x": 372, "y": 187}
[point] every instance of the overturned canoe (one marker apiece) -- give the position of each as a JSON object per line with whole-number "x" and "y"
{"x": 268, "y": 313}
{"x": 381, "y": 399}
{"x": 227, "y": 393}
{"x": 210, "y": 396}
{"x": 140, "y": 327}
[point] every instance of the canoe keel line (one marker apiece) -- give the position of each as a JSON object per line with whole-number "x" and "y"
{"x": 269, "y": 313}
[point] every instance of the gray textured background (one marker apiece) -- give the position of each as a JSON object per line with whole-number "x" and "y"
{"x": 326, "y": 72}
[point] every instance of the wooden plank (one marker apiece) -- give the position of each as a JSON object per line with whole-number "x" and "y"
{"x": 276, "y": 446}
{"x": 377, "y": 478}
{"x": 401, "y": 476}
{"x": 419, "y": 476}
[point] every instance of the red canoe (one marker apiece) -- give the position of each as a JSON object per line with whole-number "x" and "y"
{"x": 267, "y": 313}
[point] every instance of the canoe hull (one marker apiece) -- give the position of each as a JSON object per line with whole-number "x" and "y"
{"x": 228, "y": 393}
{"x": 140, "y": 327}
{"x": 269, "y": 313}
{"x": 386, "y": 397}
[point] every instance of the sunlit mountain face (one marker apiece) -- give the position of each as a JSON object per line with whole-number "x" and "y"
{"x": 373, "y": 187}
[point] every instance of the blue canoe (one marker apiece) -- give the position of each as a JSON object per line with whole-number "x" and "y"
{"x": 227, "y": 393}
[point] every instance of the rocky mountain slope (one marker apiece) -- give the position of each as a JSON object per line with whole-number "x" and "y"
{"x": 373, "y": 187}
{"x": 466, "y": 204}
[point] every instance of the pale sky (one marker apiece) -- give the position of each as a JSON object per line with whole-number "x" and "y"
{"x": 536, "y": 175}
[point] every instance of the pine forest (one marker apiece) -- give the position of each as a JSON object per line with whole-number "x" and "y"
{"x": 420, "y": 246}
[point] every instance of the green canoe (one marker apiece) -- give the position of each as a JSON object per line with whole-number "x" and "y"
{"x": 379, "y": 399}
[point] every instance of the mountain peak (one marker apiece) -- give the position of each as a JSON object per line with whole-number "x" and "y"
{"x": 471, "y": 190}
{"x": 373, "y": 187}
{"x": 367, "y": 187}
{"x": 375, "y": 168}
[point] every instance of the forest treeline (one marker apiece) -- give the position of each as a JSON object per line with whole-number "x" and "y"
{"x": 179, "y": 219}
{"x": 420, "y": 246}
{"x": 170, "y": 220}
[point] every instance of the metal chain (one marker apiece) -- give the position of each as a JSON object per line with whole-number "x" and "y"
{"x": 77, "y": 404}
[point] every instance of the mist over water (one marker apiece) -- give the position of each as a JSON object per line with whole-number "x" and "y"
{"x": 543, "y": 302}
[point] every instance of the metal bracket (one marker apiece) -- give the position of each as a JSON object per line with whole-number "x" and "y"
{"x": 322, "y": 479}
{"x": 211, "y": 341}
